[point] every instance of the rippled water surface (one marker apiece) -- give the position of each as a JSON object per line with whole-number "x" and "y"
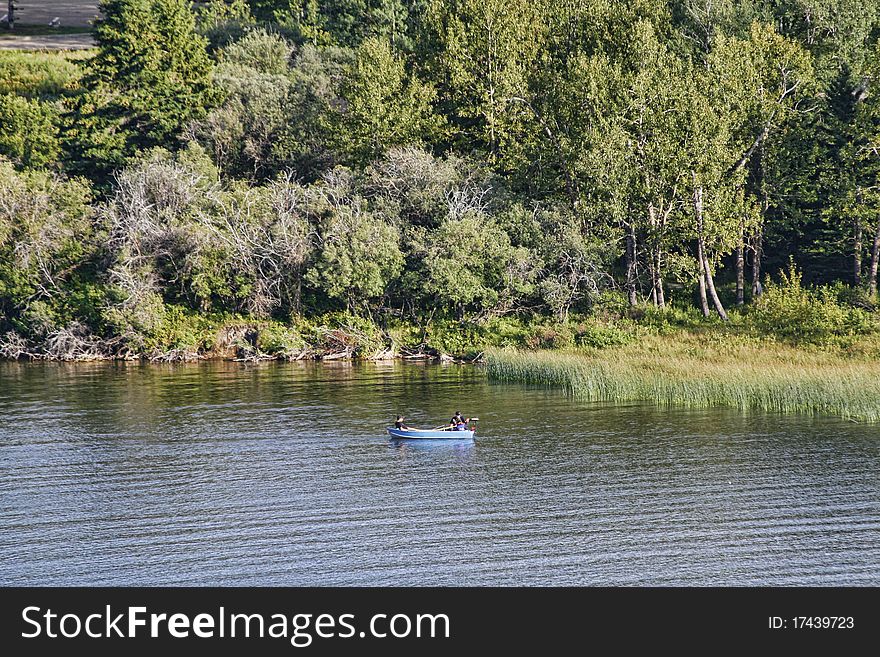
{"x": 280, "y": 474}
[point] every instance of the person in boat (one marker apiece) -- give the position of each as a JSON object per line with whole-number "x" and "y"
{"x": 400, "y": 423}
{"x": 458, "y": 422}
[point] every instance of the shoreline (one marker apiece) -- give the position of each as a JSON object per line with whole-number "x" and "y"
{"x": 162, "y": 359}
{"x": 232, "y": 342}
{"x": 182, "y": 356}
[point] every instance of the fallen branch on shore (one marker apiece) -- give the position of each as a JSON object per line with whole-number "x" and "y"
{"x": 239, "y": 344}
{"x": 176, "y": 356}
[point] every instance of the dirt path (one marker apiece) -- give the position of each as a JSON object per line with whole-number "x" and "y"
{"x": 47, "y": 42}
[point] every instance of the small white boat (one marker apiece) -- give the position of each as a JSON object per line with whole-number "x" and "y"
{"x": 430, "y": 434}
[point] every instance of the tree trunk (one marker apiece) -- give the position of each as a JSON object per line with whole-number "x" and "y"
{"x": 655, "y": 260}
{"x": 710, "y": 284}
{"x": 701, "y": 260}
{"x": 631, "y": 265}
{"x": 740, "y": 267}
{"x": 705, "y": 270}
{"x": 875, "y": 256}
{"x": 653, "y": 282}
{"x": 704, "y": 303}
{"x": 857, "y": 252}
{"x": 11, "y": 14}
{"x": 658, "y": 282}
{"x": 757, "y": 251}
{"x": 649, "y": 240}
{"x": 740, "y": 275}
{"x": 758, "y": 143}
{"x": 490, "y": 81}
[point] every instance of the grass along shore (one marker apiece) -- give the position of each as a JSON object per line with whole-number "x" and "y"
{"x": 695, "y": 370}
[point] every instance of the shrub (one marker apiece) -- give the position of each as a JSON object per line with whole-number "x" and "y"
{"x": 671, "y": 319}
{"x": 223, "y": 22}
{"x": 555, "y": 336}
{"x": 346, "y": 332}
{"x": 598, "y": 336}
{"x": 28, "y": 131}
{"x": 279, "y": 340}
{"x": 359, "y": 255}
{"x": 39, "y": 74}
{"x": 260, "y": 51}
{"x": 456, "y": 338}
{"x": 46, "y": 240}
{"x": 181, "y": 328}
{"x": 798, "y": 314}
{"x": 471, "y": 265}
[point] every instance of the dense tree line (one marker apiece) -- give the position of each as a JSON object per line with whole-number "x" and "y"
{"x": 436, "y": 159}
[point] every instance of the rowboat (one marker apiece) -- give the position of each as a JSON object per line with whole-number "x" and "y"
{"x": 430, "y": 434}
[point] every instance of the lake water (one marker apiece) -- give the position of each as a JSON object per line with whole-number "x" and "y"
{"x": 281, "y": 474}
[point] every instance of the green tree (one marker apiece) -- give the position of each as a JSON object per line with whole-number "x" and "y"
{"x": 149, "y": 78}
{"x": 223, "y": 22}
{"x": 838, "y": 33}
{"x": 471, "y": 266}
{"x": 622, "y": 144}
{"x": 342, "y": 22}
{"x": 47, "y": 243}
{"x": 747, "y": 89}
{"x": 381, "y": 106}
{"x": 487, "y": 49}
{"x": 861, "y": 160}
{"x": 359, "y": 253}
{"x": 247, "y": 132}
{"x": 261, "y": 238}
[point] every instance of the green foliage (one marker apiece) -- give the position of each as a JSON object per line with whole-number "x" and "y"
{"x": 247, "y": 132}
{"x": 381, "y": 106}
{"x": 545, "y": 336}
{"x": 486, "y": 52}
{"x": 575, "y": 261}
{"x": 600, "y": 335}
{"x": 460, "y": 338}
{"x": 275, "y": 112}
{"x": 589, "y": 163}
{"x": 180, "y": 328}
{"x": 793, "y": 312}
{"x": 46, "y": 239}
{"x": 279, "y": 340}
{"x": 359, "y": 255}
{"x": 353, "y": 331}
{"x": 260, "y": 51}
{"x": 471, "y": 265}
{"x": 29, "y": 132}
{"x": 223, "y": 22}
{"x": 149, "y": 78}
{"x": 671, "y": 319}
{"x": 416, "y": 187}
{"x": 45, "y": 75}
{"x": 342, "y": 22}
{"x": 837, "y": 33}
